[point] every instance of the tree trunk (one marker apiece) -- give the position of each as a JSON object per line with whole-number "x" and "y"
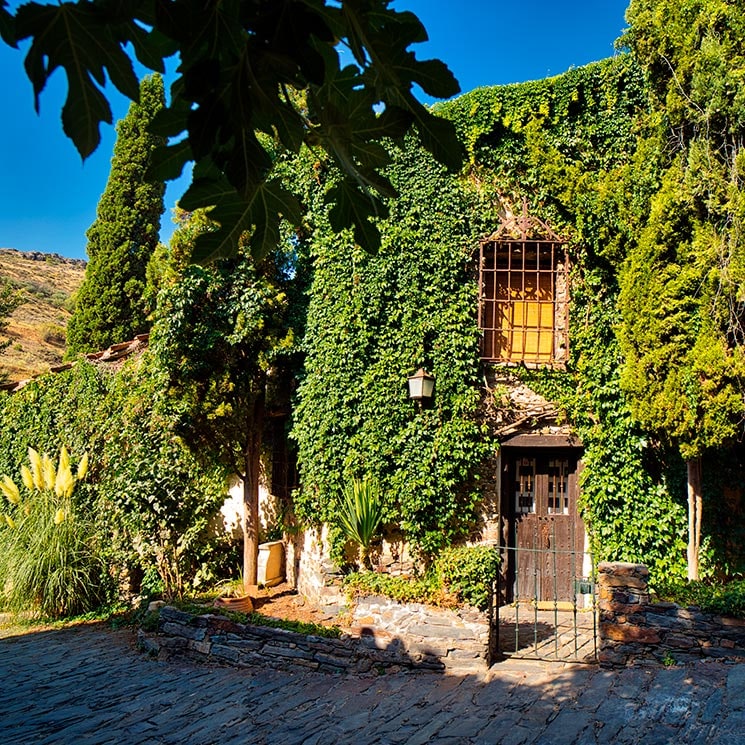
{"x": 252, "y": 464}
{"x": 695, "y": 508}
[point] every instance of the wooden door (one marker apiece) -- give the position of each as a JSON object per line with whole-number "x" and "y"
{"x": 547, "y": 534}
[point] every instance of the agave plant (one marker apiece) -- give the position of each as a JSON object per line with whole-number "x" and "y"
{"x": 361, "y": 513}
{"x": 48, "y": 559}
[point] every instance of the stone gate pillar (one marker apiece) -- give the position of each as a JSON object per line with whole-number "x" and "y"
{"x": 622, "y": 600}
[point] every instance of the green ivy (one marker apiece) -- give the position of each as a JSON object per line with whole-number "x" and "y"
{"x": 570, "y": 146}
{"x": 470, "y": 572}
{"x": 372, "y": 321}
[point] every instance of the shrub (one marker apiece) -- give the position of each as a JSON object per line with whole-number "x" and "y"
{"x": 460, "y": 575}
{"x": 53, "y": 333}
{"x": 425, "y": 589}
{"x": 360, "y": 514}
{"x": 725, "y": 599}
{"x": 469, "y": 572}
{"x": 49, "y": 560}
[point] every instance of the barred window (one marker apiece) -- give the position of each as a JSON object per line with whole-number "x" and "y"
{"x": 524, "y": 302}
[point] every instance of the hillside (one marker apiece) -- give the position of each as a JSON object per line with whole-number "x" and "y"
{"x": 37, "y": 327}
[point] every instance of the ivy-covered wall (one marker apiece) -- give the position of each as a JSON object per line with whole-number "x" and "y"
{"x": 569, "y": 146}
{"x": 372, "y": 321}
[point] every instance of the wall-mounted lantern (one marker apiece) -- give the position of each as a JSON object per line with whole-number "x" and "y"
{"x": 421, "y": 385}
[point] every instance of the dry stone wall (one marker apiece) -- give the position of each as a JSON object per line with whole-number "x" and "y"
{"x": 386, "y": 636}
{"x": 457, "y": 639}
{"x": 633, "y": 630}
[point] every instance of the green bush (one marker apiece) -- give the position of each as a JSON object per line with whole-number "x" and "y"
{"x": 725, "y": 599}
{"x": 469, "y": 572}
{"x": 155, "y": 506}
{"x": 460, "y": 575}
{"x": 360, "y": 513}
{"x": 425, "y": 589}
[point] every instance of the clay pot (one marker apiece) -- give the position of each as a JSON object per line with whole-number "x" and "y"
{"x": 241, "y": 605}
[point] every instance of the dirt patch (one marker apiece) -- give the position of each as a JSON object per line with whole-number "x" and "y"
{"x": 283, "y": 602}
{"x": 36, "y": 328}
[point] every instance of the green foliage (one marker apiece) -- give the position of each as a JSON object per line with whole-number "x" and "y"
{"x": 361, "y": 513}
{"x": 160, "y": 502}
{"x": 299, "y": 627}
{"x": 566, "y": 144}
{"x": 682, "y": 285}
{"x": 254, "y": 79}
{"x": 372, "y": 321}
{"x": 110, "y": 306}
{"x": 681, "y": 298}
{"x": 470, "y": 572}
{"x": 51, "y": 561}
{"x": 463, "y": 574}
{"x": 580, "y": 150}
{"x": 627, "y": 498}
{"x": 681, "y": 372}
{"x": 155, "y": 507}
{"x": 724, "y": 599}
{"x": 219, "y": 332}
{"x": 223, "y": 344}
{"x": 426, "y": 589}
{"x": 553, "y": 385}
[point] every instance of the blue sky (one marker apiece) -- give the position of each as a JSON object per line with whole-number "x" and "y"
{"x": 48, "y": 197}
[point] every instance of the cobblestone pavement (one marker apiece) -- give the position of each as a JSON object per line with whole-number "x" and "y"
{"x": 88, "y": 685}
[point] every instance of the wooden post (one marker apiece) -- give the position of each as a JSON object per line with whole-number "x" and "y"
{"x": 695, "y": 508}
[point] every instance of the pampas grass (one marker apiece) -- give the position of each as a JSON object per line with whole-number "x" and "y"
{"x": 49, "y": 561}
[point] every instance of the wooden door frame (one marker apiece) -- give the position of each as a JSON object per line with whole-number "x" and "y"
{"x": 542, "y": 448}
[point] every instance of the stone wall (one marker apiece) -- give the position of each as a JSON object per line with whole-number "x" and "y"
{"x": 314, "y": 575}
{"x": 634, "y": 630}
{"x": 310, "y": 570}
{"x": 385, "y": 636}
{"x": 458, "y": 639}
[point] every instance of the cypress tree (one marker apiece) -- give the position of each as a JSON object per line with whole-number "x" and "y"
{"x": 681, "y": 299}
{"x": 110, "y": 306}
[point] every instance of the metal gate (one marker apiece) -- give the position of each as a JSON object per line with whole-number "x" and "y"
{"x": 530, "y": 623}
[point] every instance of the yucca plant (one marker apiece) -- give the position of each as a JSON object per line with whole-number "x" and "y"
{"x": 361, "y": 513}
{"x": 49, "y": 562}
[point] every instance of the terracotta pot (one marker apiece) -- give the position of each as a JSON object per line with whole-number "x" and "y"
{"x": 241, "y": 605}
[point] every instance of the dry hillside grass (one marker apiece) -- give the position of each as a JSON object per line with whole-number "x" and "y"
{"x": 37, "y": 327}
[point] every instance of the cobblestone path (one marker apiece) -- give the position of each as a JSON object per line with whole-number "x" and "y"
{"x": 88, "y": 685}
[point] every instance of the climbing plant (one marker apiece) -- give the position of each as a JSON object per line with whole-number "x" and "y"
{"x": 372, "y": 321}
{"x": 569, "y": 146}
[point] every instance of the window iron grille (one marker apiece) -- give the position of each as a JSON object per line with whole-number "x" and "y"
{"x": 524, "y": 302}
